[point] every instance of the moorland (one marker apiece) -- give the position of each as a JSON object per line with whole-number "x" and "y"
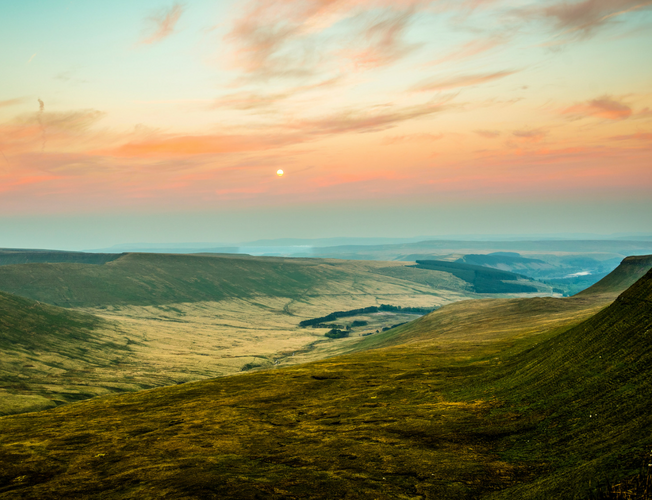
{"x": 115, "y": 323}
{"x": 521, "y": 397}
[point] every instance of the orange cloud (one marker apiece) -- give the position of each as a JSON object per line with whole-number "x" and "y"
{"x": 460, "y": 81}
{"x": 193, "y": 145}
{"x": 602, "y": 107}
{"x": 163, "y": 24}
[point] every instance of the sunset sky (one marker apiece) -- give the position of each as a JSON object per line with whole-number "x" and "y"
{"x": 150, "y": 121}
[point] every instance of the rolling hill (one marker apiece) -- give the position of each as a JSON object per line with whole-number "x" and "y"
{"x": 9, "y": 256}
{"x": 156, "y": 319}
{"x": 158, "y": 279}
{"x": 532, "y": 411}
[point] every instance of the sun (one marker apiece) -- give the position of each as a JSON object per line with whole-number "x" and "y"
{"x": 280, "y": 172}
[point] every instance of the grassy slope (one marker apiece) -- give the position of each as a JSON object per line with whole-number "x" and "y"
{"x": 523, "y": 416}
{"x": 43, "y": 345}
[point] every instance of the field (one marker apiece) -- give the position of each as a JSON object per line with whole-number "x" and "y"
{"x": 471, "y": 401}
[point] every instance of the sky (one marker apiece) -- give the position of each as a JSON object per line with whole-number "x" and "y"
{"x": 156, "y": 121}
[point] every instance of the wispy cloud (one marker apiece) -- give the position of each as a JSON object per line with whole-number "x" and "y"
{"x": 257, "y": 100}
{"x": 410, "y": 138}
{"x": 368, "y": 121}
{"x": 263, "y": 34}
{"x": 488, "y": 134}
{"x": 472, "y": 49}
{"x": 381, "y": 39}
{"x": 530, "y": 135}
{"x": 583, "y": 18}
{"x": 603, "y": 107}
{"x": 69, "y": 121}
{"x": 161, "y": 25}
{"x": 287, "y": 38}
{"x": 12, "y": 102}
{"x": 453, "y": 82}
{"x": 640, "y": 136}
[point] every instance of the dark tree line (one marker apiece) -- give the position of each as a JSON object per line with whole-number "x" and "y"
{"x": 365, "y": 310}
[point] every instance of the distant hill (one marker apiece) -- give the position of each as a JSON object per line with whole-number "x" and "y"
{"x": 9, "y": 256}
{"x": 482, "y": 279}
{"x": 151, "y": 279}
{"x": 506, "y": 261}
{"x": 406, "y": 251}
{"x": 157, "y": 279}
{"x": 532, "y": 413}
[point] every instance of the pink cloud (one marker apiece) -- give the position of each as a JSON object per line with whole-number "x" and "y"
{"x": 602, "y": 107}
{"x": 286, "y": 38}
{"x": 163, "y": 24}
{"x": 381, "y": 40}
{"x": 586, "y": 16}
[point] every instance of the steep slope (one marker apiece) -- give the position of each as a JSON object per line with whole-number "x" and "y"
{"x": 519, "y": 417}
{"x": 47, "y": 351}
{"x": 587, "y": 392}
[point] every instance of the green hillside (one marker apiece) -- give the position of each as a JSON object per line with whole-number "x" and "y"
{"x": 47, "y": 350}
{"x": 533, "y": 414}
